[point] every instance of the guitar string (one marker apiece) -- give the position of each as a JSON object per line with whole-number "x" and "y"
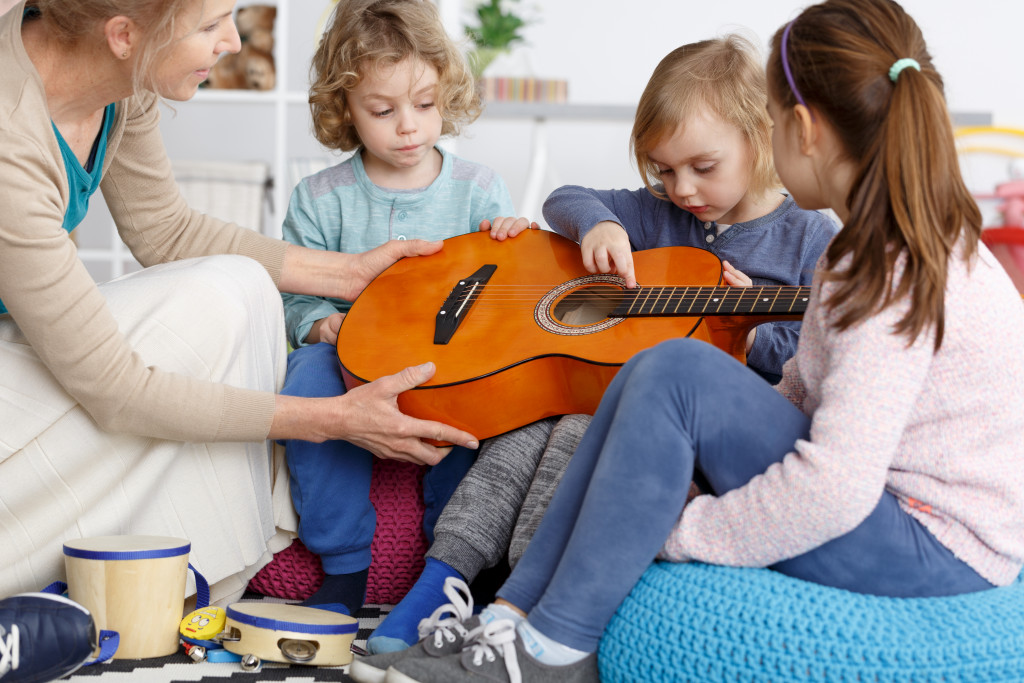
{"x": 644, "y": 295}
{"x": 527, "y": 294}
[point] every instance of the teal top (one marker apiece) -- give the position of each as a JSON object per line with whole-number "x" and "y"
{"x": 82, "y": 181}
{"x": 341, "y": 209}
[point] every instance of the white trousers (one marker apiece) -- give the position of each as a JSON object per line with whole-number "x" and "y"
{"x": 61, "y": 477}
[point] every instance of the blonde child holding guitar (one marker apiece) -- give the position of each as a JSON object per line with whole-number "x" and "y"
{"x": 887, "y": 461}
{"x": 389, "y": 83}
{"x": 702, "y": 140}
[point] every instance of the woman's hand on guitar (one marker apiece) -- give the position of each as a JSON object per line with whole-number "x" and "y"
{"x": 372, "y": 420}
{"x": 606, "y": 249}
{"x": 364, "y": 267}
{"x": 368, "y": 416}
{"x": 507, "y": 226}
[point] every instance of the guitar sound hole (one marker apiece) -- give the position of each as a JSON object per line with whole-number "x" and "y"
{"x": 587, "y": 305}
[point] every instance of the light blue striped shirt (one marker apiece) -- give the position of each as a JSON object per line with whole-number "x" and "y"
{"x": 340, "y": 209}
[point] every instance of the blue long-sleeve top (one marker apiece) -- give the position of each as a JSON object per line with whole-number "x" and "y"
{"x": 340, "y": 209}
{"x": 780, "y": 248}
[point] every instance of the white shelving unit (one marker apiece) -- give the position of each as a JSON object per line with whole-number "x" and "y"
{"x": 271, "y": 127}
{"x": 279, "y": 118}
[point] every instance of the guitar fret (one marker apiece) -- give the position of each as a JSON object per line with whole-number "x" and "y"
{"x": 650, "y": 300}
{"x": 682, "y": 297}
{"x": 693, "y": 299}
{"x": 720, "y": 297}
{"x": 739, "y": 300}
{"x": 793, "y": 302}
{"x": 659, "y": 306}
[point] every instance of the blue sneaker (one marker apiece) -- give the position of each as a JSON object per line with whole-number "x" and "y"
{"x": 43, "y": 637}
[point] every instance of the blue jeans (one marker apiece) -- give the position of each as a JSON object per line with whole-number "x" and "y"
{"x": 680, "y": 407}
{"x": 330, "y": 481}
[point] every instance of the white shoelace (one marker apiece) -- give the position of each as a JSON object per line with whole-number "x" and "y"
{"x": 9, "y": 658}
{"x": 497, "y": 639}
{"x": 458, "y": 610}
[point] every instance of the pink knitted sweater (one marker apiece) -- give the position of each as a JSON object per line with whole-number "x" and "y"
{"x": 942, "y": 432}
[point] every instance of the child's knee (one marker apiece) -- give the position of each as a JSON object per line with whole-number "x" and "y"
{"x": 314, "y": 371}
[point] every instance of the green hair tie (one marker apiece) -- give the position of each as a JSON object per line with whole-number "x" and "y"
{"x": 901, "y": 64}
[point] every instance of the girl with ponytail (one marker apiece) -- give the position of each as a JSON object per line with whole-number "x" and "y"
{"x": 888, "y": 460}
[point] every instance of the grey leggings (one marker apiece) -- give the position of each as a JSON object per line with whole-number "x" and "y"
{"x": 498, "y": 505}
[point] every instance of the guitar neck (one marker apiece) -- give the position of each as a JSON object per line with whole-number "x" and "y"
{"x": 707, "y": 301}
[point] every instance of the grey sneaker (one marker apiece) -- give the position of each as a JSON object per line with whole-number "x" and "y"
{"x": 495, "y": 656}
{"x": 445, "y": 632}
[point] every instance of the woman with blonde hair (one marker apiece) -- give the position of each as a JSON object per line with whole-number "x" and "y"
{"x": 144, "y": 405}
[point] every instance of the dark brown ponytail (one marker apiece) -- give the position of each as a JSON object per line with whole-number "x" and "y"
{"x": 908, "y": 197}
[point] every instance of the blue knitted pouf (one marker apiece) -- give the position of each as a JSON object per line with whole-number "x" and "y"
{"x": 697, "y": 622}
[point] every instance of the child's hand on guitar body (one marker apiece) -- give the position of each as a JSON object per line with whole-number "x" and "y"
{"x": 606, "y": 249}
{"x": 372, "y": 420}
{"x": 326, "y": 329}
{"x": 507, "y": 226}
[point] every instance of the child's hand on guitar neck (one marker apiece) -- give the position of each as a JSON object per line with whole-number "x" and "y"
{"x": 734, "y": 277}
{"x": 606, "y": 249}
{"x": 737, "y": 278}
{"x": 507, "y": 226}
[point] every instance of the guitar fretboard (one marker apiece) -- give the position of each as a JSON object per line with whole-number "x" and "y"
{"x": 702, "y": 301}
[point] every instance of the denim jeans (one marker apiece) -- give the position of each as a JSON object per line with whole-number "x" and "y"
{"x": 680, "y": 407}
{"x": 330, "y": 481}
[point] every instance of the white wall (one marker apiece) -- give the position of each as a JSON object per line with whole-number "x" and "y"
{"x": 607, "y": 49}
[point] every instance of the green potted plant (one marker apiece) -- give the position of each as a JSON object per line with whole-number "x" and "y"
{"x": 497, "y": 29}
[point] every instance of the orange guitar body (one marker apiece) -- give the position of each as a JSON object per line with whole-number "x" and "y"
{"x": 513, "y": 359}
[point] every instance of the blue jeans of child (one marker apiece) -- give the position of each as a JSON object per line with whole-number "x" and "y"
{"x": 679, "y": 406}
{"x": 330, "y": 481}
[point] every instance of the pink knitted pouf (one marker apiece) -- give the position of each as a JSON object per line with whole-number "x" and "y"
{"x": 399, "y": 544}
{"x": 396, "y": 492}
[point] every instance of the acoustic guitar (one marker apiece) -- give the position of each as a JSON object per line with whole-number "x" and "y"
{"x": 520, "y": 331}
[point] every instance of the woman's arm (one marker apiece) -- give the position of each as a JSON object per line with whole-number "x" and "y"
{"x": 368, "y": 416}
{"x": 332, "y": 273}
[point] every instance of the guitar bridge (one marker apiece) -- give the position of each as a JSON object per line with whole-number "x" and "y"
{"x": 459, "y": 302}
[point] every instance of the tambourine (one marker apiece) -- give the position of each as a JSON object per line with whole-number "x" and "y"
{"x": 291, "y": 634}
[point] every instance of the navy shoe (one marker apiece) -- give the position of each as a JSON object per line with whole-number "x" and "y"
{"x": 43, "y": 637}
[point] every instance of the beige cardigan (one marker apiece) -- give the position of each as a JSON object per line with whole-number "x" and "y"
{"x": 55, "y": 301}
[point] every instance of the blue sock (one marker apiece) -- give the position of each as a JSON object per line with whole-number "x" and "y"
{"x": 399, "y": 628}
{"x": 343, "y": 593}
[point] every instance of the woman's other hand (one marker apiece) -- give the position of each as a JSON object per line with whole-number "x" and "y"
{"x": 368, "y": 416}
